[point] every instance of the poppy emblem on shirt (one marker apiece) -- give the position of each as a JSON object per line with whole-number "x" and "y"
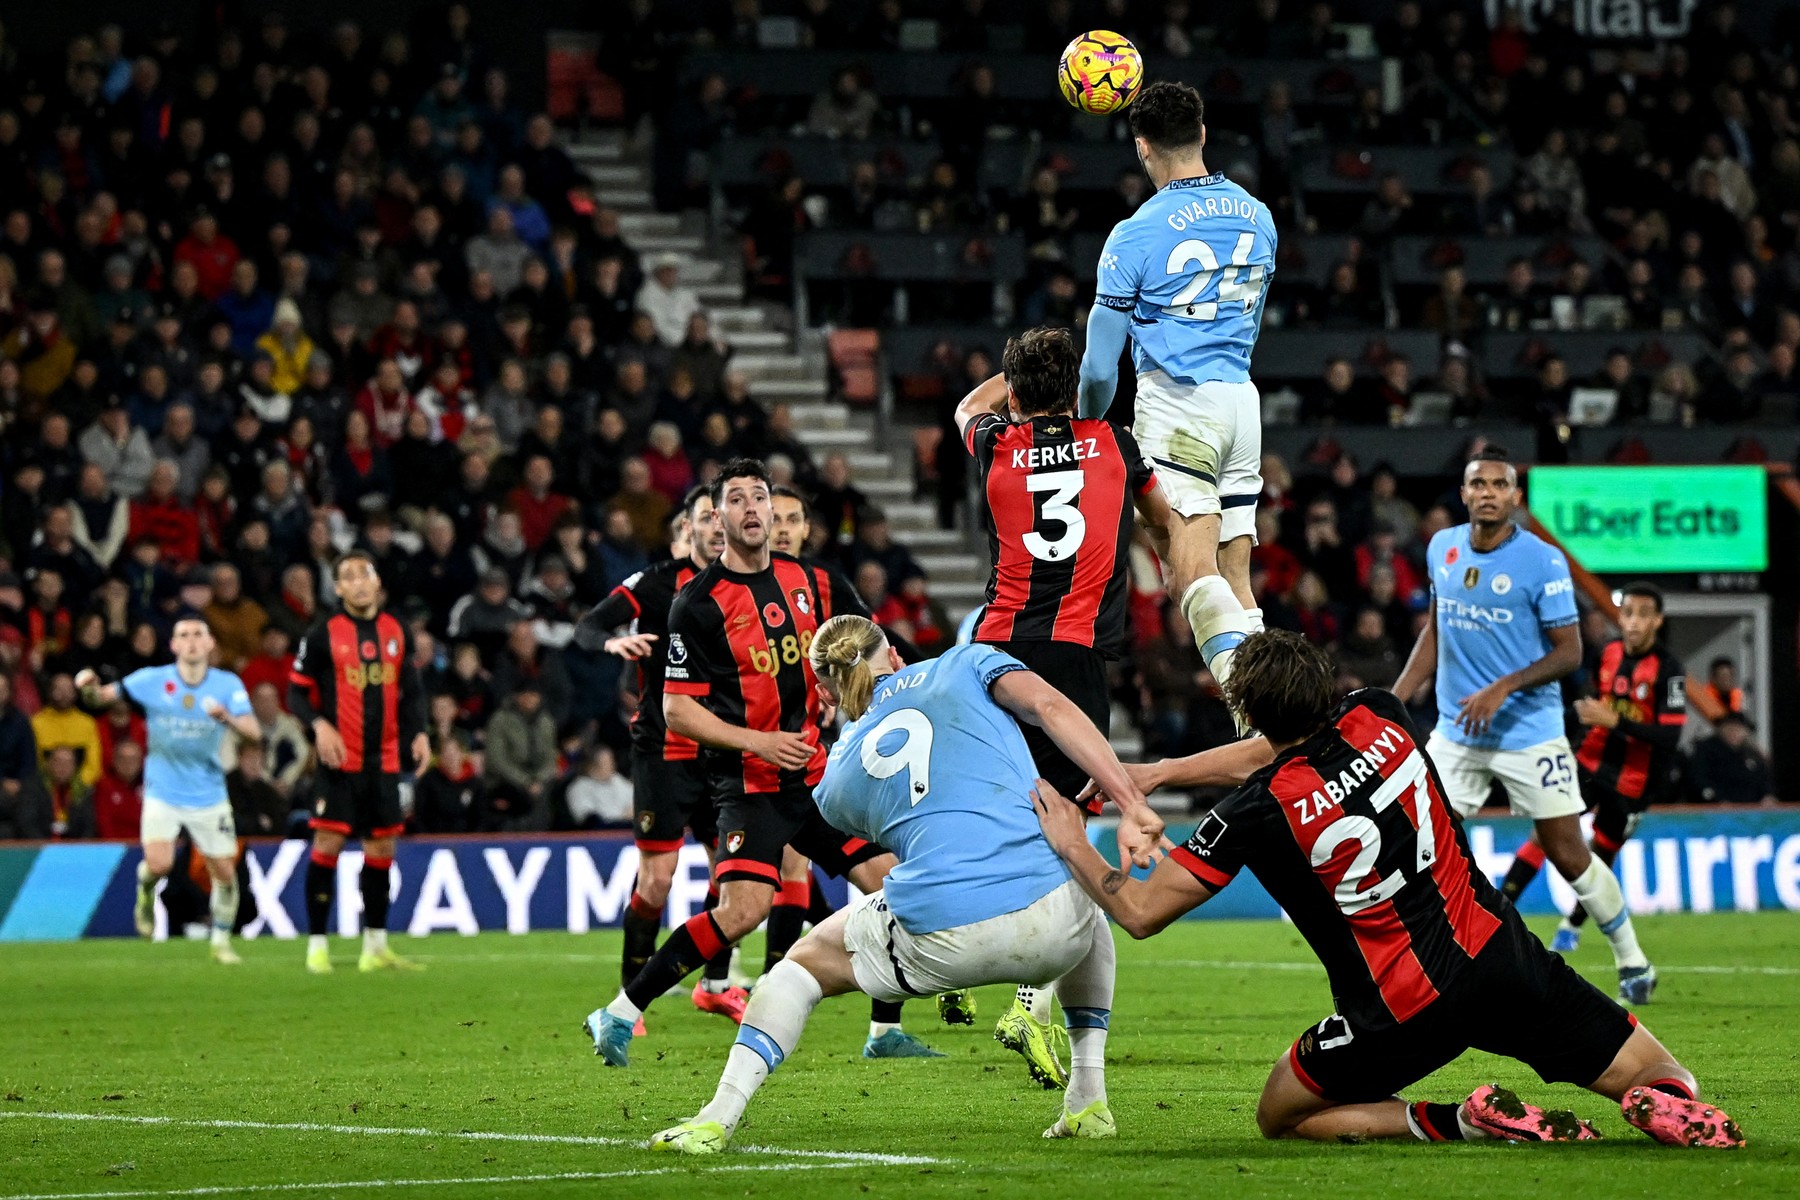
{"x": 774, "y": 616}
{"x": 1450, "y": 558}
{"x": 1621, "y": 685}
{"x": 169, "y": 687}
{"x": 368, "y": 651}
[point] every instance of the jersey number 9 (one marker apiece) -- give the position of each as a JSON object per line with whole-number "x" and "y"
{"x": 913, "y": 755}
{"x": 1243, "y": 283}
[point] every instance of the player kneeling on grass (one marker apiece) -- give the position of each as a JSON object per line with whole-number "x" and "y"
{"x": 934, "y": 766}
{"x": 1349, "y": 831}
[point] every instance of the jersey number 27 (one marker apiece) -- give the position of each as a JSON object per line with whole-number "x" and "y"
{"x": 1241, "y": 284}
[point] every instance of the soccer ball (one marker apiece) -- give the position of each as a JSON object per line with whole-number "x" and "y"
{"x": 1100, "y": 72}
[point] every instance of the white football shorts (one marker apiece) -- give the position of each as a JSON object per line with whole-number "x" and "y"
{"x": 212, "y": 828}
{"x": 1035, "y": 945}
{"x": 1539, "y": 782}
{"x": 1205, "y": 441}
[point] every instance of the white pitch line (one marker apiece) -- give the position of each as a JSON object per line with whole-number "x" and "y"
{"x": 1315, "y": 967}
{"x": 335, "y": 1185}
{"x": 847, "y": 1157}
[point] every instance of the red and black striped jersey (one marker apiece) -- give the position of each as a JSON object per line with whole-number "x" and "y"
{"x": 643, "y": 601}
{"x": 1649, "y": 692}
{"x": 1060, "y": 493}
{"x": 738, "y": 643}
{"x": 358, "y": 674}
{"x": 1350, "y": 834}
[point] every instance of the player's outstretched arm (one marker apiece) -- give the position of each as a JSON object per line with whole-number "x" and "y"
{"x": 1141, "y": 907}
{"x": 989, "y": 396}
{"x": 1421, "y": 664}
{"x": 93, "y": 693}
{"x": 1028, "y": 697}
{"x": 1222, "y": 766}
{"x": 1107, "y": 331}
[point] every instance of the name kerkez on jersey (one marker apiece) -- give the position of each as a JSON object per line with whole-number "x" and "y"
{"x": 1034, "y": 457}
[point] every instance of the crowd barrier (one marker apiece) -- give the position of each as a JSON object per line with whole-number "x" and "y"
{"x": 1747, "y": 860}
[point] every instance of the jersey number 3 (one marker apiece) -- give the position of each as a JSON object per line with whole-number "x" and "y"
{"x": 1064, "y": 488}
{"x": 1239, "y": 285}
{"x": 912, "y": 756}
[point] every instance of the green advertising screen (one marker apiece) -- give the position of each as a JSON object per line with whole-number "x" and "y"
{"x": 1652, "y": 519}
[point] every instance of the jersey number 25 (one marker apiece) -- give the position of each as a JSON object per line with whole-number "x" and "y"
{"x": 1242, "y": 284}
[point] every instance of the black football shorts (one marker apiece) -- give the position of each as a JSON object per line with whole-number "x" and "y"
{"x": 754, "y": 828}
{"x": 1516, "y": 1000}
{"x": 667, "y": 798}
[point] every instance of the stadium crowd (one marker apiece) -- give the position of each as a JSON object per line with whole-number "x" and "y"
{"x": 268, "y": 294}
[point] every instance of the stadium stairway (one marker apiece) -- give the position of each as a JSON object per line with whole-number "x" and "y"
{"x": 787, "y": 366}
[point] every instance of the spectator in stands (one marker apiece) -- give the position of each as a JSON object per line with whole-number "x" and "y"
{"x": 646, "y": 508}
{"x": 116, "y": 804}
{"x": 1338, "y": 399}
{"x": 181, "y": 445}
{"x": 451, "y": 796}
{"x": 237, "y": 621}
{"x": 60, "y": 724}
{"x": 101, "y": 518}
{"x": 1451, "y": 310}
{"x": 22, "y": 811}
{"x": 703, "y": 357}
{"x": 1728, "y": 767}
{"x": 1367, "y": 654}
{"x": 119, "y": 449}
{"x": 846, "y": 110}
{"x": 599, "y": 797}
{"x": 484, "y": 617}
{"x": 667, "y": 303}
{"x": 70, "y": 794}
{"x": 257, "y": 805}
{"x": 525, "y": 660}
{"x": 538, "y": 506}
{"x": 839, "y": 504}
{"x": 520, "y": 763}
{"x": 1322, "y": 550}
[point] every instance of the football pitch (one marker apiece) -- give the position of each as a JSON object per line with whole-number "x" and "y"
{"x": 129, "y": 1069}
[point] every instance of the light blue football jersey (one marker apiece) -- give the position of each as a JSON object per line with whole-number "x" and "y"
{"x": 182, "y": 767}
{"x": 1494, "y": 611}
{"x": 939, "y": 773}
{"x": 1192, "y": 267}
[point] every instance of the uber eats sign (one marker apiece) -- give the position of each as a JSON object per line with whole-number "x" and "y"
{"x": 1651, "y": 519}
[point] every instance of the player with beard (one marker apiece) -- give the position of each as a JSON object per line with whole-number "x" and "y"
{"x": 738, "y": 681}
{"x": 668, "y": 780}
{"x": 1062, "y": 493}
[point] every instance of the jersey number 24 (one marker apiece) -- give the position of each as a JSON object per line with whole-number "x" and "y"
{"x": 1243, "y": 283}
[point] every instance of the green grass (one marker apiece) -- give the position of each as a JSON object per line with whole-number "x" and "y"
{"x": 487, "y": 1040}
